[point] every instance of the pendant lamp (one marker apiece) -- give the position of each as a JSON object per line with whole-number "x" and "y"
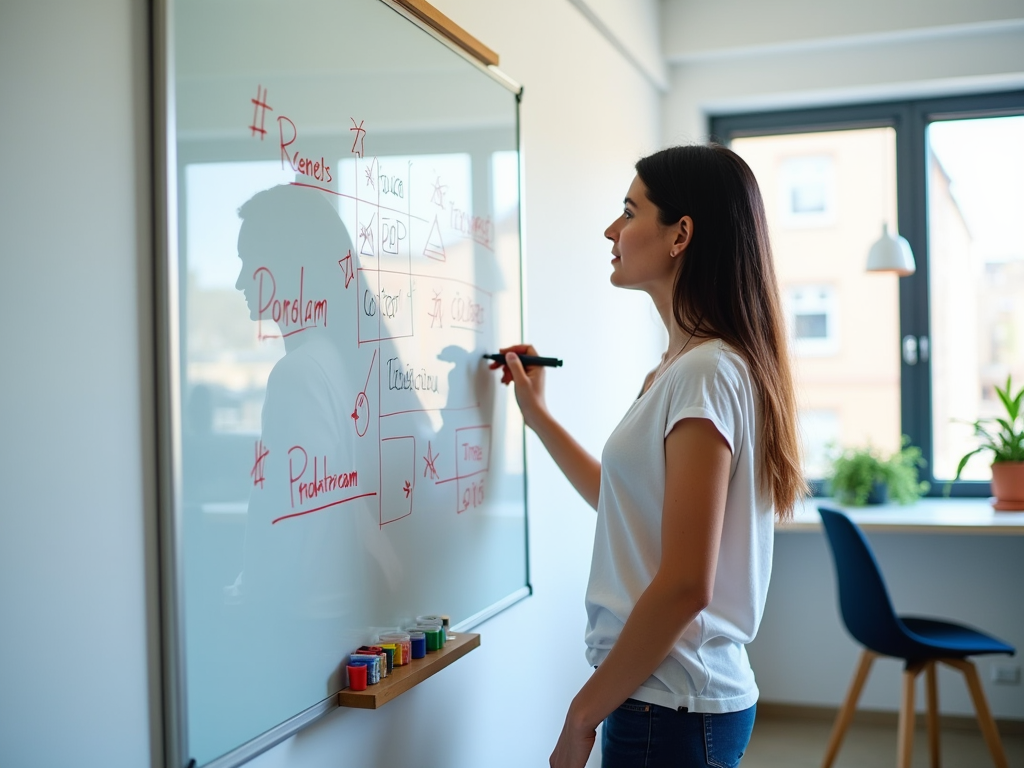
{"x": 891, "y": 253}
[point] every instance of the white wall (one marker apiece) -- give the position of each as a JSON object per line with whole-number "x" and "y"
{"x": 633, "y": 28}
{"x": 696, "y": 28}
{"x": 76, "y": 408}
{"x": 746, "y": 55}
{"x": 77, "y": 609}
{"x": 810, "y": 54}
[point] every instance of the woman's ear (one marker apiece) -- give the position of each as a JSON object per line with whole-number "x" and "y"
{"x": 683, "y": 236}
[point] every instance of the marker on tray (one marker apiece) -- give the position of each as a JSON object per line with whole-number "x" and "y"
{"x": 528, "y": 360}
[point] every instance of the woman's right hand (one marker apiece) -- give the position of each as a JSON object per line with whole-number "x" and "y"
{"x": 529, "y": 384}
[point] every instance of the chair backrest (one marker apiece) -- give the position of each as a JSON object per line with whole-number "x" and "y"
{"x": 863, "y": 598}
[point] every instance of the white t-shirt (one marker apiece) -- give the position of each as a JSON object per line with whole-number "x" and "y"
{"x": 707, "y": 669}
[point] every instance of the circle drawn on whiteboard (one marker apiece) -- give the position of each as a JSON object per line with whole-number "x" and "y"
{"x": 361, "y": 414}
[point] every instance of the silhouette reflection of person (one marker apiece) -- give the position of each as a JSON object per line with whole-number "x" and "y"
{"x": 290, "y": 244}
{"x": 300, "y": 597}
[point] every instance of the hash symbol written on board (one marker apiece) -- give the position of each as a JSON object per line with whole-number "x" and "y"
{"x": 258, "y": 467}
{"x": 259, "y": 112}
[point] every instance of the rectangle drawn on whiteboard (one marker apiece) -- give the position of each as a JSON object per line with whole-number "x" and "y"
{"x": 397, "y": 478}
{"x": 384, "y": 304}
{"x": 472, "y": 461}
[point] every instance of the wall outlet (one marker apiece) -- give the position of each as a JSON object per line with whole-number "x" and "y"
{"x": 1006, "y": 674}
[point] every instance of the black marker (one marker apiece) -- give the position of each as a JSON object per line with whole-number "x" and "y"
{"x": 550, "y": 362}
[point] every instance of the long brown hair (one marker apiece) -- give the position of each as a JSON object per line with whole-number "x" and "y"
{"x": 726, "y": 288}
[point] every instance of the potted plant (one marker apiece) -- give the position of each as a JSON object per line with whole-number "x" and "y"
{"x": 1004, "y": 437}
{"x": 864, "y": 476}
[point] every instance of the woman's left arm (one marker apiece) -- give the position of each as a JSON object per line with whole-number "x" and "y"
{"x": 697, "y": 462}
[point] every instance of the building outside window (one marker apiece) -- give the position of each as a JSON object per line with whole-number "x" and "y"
{"x": 807, "y": 194}
{"x": 813, "y": 317}
{"x": 918, "y": 355}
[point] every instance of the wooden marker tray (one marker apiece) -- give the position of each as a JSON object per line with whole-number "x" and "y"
{"x": 405, "y": 677}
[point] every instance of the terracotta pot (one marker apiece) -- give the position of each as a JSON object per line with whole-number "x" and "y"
{"x": 1008, "y": 486}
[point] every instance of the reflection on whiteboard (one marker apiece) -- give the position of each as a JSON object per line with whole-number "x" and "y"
{"x": 338, "y": 420}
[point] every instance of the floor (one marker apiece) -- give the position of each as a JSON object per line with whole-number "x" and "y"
{"x": 792, "y": 742}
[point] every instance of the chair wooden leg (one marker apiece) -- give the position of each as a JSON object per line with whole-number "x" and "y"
{"x": 932, "y": 693}
{"x": 985, "y": 721}
{"x": 848, "y": 707}
{"x": 905, "y": 735}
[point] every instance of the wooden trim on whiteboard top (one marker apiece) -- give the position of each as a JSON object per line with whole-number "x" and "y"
{"x": 437, "y": 21}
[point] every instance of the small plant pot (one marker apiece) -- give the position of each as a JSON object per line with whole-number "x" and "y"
{"x": 879, "y": 493}
{"x": 1008, "y": 486}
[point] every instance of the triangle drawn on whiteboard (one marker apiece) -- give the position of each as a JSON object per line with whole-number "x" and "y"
{"x": 366, "y": 236}
{"x": 434, "y": 249}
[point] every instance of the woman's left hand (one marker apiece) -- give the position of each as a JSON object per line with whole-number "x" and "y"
{"x": 574, "y": 746}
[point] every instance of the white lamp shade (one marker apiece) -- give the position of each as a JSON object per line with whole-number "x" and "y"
{"x": 891, "y": 253}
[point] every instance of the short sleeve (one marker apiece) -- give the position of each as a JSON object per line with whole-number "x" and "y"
{"x": 703, "y": 385}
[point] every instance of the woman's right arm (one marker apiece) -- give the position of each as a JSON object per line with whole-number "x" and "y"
{"x": 579, "y": 467}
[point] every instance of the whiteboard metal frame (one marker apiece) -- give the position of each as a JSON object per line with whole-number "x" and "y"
{"x": 168, "y": 371}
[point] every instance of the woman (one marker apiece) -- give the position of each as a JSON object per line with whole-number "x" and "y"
{"x": 691, "y": 479}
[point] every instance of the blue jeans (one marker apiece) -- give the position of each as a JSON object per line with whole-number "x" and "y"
{"x": 642, "y": 735}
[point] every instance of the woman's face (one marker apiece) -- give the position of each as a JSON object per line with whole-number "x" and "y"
{"x": 643, "y": 248}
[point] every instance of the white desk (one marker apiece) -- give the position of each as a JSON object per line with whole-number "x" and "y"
{"x": 957, "y": 516}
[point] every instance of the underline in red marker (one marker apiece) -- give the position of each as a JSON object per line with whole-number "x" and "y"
{"x": 325, "y": 506}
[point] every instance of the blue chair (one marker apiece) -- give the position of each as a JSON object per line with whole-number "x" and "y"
{"x": 921, "y": 642}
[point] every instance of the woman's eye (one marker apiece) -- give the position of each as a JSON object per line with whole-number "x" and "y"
{"x": 627, "y": 214}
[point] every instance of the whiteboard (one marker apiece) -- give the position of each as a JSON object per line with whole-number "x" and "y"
{"x": 342, "y": 247}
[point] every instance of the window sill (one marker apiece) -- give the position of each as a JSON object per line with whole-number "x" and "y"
{"x": 928, "y": 515}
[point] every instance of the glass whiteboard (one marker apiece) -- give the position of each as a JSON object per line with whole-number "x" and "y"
{"x": 342, "y": 248}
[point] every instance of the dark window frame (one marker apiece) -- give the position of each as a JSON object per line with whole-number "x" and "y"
{"x": 910, "y": 119}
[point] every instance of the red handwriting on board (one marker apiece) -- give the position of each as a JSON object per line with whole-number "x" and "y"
{"x": 346, "y": 267}
{"x": 317, "y": 169}
{"x": 465, "y": 310}
{"x": 472, "y": 495}
{"x": 259, "y": 112}
{"x": 430, "y": 459}
{"x": 323, "y": 481}
{"x": 259, "y": 465}
{"x": 479, "y": 228}
{"x": 292, "y": 315}
{"x": 436, "y": 312}
{"x": 357, "y": 143}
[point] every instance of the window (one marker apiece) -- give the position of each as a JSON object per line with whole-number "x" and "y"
{"x": 813, "y": 322}
{"x": 808, "y": 191}
{"x": 918, "y": 355}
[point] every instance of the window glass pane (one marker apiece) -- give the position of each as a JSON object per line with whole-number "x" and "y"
{"x": 827, "y": 195}
{"x": 976, "y": 278}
